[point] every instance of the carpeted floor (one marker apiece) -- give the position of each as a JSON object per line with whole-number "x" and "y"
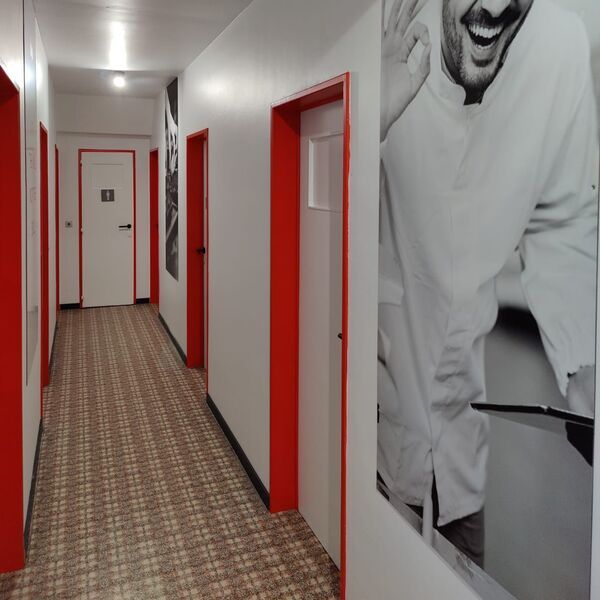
{"x": 139, "y": 495}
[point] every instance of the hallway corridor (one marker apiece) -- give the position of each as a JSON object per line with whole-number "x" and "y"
{"x": 139, "y": 495}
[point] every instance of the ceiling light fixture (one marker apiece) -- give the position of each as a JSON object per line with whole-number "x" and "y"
{"x": 119, "y": 80}
{"x": 117, "y": 50}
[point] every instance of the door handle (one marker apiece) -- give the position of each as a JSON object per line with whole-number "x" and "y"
{"x": 128, "y": 226}
{"x": 340, "y": 336}
{"x": 201, "y": 250}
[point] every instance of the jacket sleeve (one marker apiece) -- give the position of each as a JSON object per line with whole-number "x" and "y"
{"x": 559, "y": 247}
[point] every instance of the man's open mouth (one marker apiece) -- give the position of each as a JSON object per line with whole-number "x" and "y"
{"x": 484, "y": 36}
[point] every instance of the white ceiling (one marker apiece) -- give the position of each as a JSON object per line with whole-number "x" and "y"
{"x": 151, "y": 40}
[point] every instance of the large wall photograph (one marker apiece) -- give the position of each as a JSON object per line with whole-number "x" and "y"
{"x": 172, "y": 179}
{"x": 487, "y": 286}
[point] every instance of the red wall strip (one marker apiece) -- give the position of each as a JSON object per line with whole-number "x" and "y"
{"x": 285, "y": 238}
{"x": 134, "y": 228}
{"x": 154, "y": 272}
{"x": 57, "y": 224}
{"x": 12, "y": 551}
{"x": 195, "y": 241}
{"x": 44, "y": 252}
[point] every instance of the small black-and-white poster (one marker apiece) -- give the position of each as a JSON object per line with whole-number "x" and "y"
{"x": 107, "y": 195}
{"x": 172, "y": 180}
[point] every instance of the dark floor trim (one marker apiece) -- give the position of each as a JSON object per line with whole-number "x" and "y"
{"x": 34, "y": 475}
{"x": 175, "y": 342}
{"x": 52, "y": 353}
{"x": 252, "y": 474}
{"x": 77, "y": 305}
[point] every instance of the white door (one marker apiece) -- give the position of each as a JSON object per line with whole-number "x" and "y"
{"x": 107, "y": 228}
{"x": 319, "y": 386}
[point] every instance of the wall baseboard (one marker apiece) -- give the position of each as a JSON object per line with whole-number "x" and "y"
{"x": 36, "y": 461}
{"x": 73, "y": 305}
{"x": 52, "y": 353}
{"x": 252, "y": 474}
{"x": 172, "y": 337}
{"x": 69, "y": 306}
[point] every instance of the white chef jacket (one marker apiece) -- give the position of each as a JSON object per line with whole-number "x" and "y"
{"x": 462, "y": 187}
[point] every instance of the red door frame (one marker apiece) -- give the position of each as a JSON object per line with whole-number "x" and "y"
{"x": 80, "y": 156}
{"x": 12, "y": 549}
{"x": 154, "y": 260}
{"x": 196, "y": 262}
{"x": 285, "y": 288}
{"x": 44, "y": 252}
{"x": 57, "y": 225}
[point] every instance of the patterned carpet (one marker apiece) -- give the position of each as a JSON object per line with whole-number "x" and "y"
{"x": 139, "y": 495}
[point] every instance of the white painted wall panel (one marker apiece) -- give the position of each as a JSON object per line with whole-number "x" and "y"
{"x": 108, "y": 115}
{"x": 31, "y": 397}
{"x": 11, "y": 58}
{"x": 11, "y": 40}
{"x": 45, "y": 109}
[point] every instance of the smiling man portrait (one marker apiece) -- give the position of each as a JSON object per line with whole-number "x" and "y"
{"x": 489, "y": 145}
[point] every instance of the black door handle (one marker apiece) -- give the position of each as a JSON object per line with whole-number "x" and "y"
{"x": 128, "y": 226}
{"x": 340, "y": 335}
{"x": 201, "y": 250}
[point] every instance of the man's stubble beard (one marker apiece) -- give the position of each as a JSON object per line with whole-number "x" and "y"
{"x": 474, "y": 87}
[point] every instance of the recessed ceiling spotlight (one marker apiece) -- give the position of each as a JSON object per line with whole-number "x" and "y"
{"x": 119, "y": 80}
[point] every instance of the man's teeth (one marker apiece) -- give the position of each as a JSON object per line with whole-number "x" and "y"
{"x": 485, "y": 32}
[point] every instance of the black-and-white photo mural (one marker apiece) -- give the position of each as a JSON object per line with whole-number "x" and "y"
{"x": 172, "y": 180}
{"x": 487, "y": 286}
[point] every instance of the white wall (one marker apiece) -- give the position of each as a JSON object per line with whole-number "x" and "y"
{"x": 11, "y": 40}
{"x": 31, "y": 396}
{"x": 68, "y": 147}
{"x": 11, "y": 58}
{"x": 275, "y": 48}
{"x": 108, "y": 115}
{"x": 46, "y": 101}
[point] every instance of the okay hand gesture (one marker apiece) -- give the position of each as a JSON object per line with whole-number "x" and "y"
{"x": 399, "y": 86}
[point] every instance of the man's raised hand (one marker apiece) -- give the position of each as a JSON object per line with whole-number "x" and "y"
{"x": 399, "y": 86}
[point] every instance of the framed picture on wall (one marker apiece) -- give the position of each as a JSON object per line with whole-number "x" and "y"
{"x": 172, "y": 179}
{"x": 487, "y": 286}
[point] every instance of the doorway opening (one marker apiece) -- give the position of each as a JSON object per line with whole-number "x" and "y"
{"x": 197, "y": 249}
{"x": 286, "y": 199}
{"x": 12, "y": 548}
{"x": 44, "y": 251}
{"x": 154, "y": 270}
{"x": 107, "y": 227}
